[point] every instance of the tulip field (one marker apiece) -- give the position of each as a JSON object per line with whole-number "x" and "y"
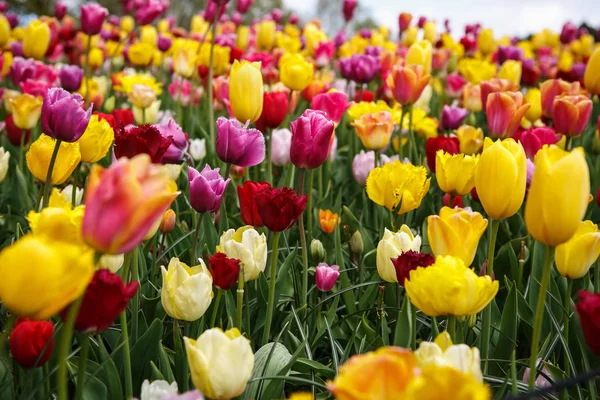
{"x": 257, "y": 208}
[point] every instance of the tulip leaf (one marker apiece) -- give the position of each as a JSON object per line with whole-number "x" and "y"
{"x": 509, "y": 324}
{"x": 269, "y": 360}
{"x": 348, "y": 296}
{"x": 25, "y": 200}
{"x": 304, "y": 365}
{"x": 284, "y": 284}
{"x": 109, "y": 372}
{"x": 6, "y": 378}
{"x": 94, "y": 389}
{"x": 165, "y": 364}
{"x": 145, "y": 350}
{"x": 404, "y": 324}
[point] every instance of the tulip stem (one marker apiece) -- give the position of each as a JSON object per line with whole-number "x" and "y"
{"x": 48, "y": 186}
{"x": 240, "y": 299}
{"x": 84, "y": 345}
{"x": 215, "y": 311}
{"x": 539, "y": 315}
{"x": 271, "y": 305}
{"x": 64, "y": 348}
{"x": 270, "y": 156}
{"x": 567, "y": 311}
{"x": 400, "y": 151}
{"x": 413, "y": 151}
{"x": 6, "y": 329}
{"x": 303, "y": 243}
{"x": 198, "y": 222}
{"x": 135, "y": 304}
{"x": 209, "y": 84}
{"x": 452, "y": 327}
{"x": 487, "y": 312}
{"x": 309, "y": 216}
{"x": 568, "y": 143}
{"x": 124, "y": 334}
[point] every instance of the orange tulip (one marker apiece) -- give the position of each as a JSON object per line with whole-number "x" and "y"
{"x": 571, "y": 114}
{"x": 374, "y": 130}
{"x": 407, "y": 83}
{"x": 327, "y": 220}
{"x": 504, "y": 111}
{"x": 552, "y": 88}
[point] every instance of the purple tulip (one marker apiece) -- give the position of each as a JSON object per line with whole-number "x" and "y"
{"x": 509, "y": 53}
{"x": 149, "y": 11}
{"x": 311, "y": 139}
{"x": 326, "y": 276}
{"x": 70, "y": 77}
{"x": 452, "y": 117}
{"x": 114, "y": 20}
{"x": 242, "y": 6}
{"x": 360, "y": 68}
{"x": 92, "y": 18}
{"x": 339, "y": 38}
{"x": 63, "y": 117}
{"x": 178, "y": 146}
{"x": 238, "y": 145}
{"x": 13, "y": 19}
{"x": 21, "y": 70}
{"x": 60, "y": 10}
{"x": 206, "y": 189}
{"x": 164, "y": 43}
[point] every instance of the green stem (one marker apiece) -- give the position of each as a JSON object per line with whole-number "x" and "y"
{"x": 452, "y": 327}
{"x": 84, "y": 344}
{"x": 411, "y": 136}
{"x": 48, "y": 186}
{"x": 270, "y": 156}
{"x": 568, "y": 143}
{"x": 567, "y": 306}
{"x": 487, "y": 313}
{"x": 186, "y": 373}
{"x": 597, "y": 276}
{"x": 125, "y": 335}
{"x": 434, "y": 327}
{"x": 240, "y": 299}
{"x": 320, "y": 182}
{"x": 309, "y": 208}
{"x": 213, "y": 317}
{"x": 209, "y": 89}
{"x": 539, "y": 316}
{"x": 303, "y": 243}
{"x": 22, "y": 150}
{"x": 194, "y": 249}
{"x": 64, "y": 347}
{"x": 135, "y": 303}
{"x": 271, "y": 305}
{"x": 400, "y": 151}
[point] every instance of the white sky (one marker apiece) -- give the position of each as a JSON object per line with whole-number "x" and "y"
{"x": 519, "y": 17}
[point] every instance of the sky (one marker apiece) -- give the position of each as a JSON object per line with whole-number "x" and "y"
{"x": 511, "y": 17}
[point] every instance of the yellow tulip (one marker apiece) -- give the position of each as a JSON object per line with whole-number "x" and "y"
{"x": 96, "y": 140}
{"x": 186, "y": 291}
{"x": 140, "y": 54}
{"x": 265, "y": 35}
{"x": 500, "y": 177}
{"x": 58, "y": 223}
{"x": 246, "y": 91}
{"x": 163, "y": 25}
{"x": 476, "y": 71}
{"x": 410, "y": 36}
{"x": 420, "y": 53}
{"x": 575, "y": 257}
{"x": 248, "y": 246}
{"x": 301, "y": 396}
{"x": 149, "y": 34}
{"x": 358, "y": 109}
{"x": 558, "y": 195}
{"x": 40, "y": 152}
{"x": 295, "y": 72}
{"x": 374, "y": 130}
{"x": 429, "y": 32}
{"x": 126, "y": 83}
{"x": 220, "y": 58}
{"x": 470, "y": 138}
{"x": 456, "y": 232}
{"x": 127, "y": 23}
{"x": 221, "y": 363}
{"x": 288, "y": 44}
{"x": 533, "y": 97}
{"x": 485, "y": 41}
{"x": 36, "y": 40}
{"x": 147, "y": 115}
{"x": 96, "y": 58}
{"x": 391, "y": 245}
{"x": 436, "y": 379}
{"x": 397, "y": 184}
{"x": 511, "y": 70}
{"x": 4, "y": 31}
{"x": 243, "y": 37}
{"x": 448, "y": 287}
{"x": 6, "y": 63}
{"x": 142, "y": 96}
{"x": 565, "y": 61}
{"x": 26, "y": 110}
{"x": 41, "y": 277}
{"x": 455, "y": 172}
{"x": 591, "y": 77}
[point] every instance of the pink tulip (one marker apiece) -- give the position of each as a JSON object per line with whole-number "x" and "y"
{"x": 326, "y": 276}
{"x": 534, "y": 139}
{"x": 238, "y": 145}
{"x": 242, "y": 6}
{"x": 454, "y": 85}
{"x": 333, "y": 104}
{"x": 206, "y": 189}
{"x": 348, "y": 8}
{"x": 92, "y": 18}
{"x": 311, "y": 139}
{"x": 324, "y": 53}
{"x": 60, "y": 10}
{"x": 150, "y": 10}
{"x": 504, "y": 112}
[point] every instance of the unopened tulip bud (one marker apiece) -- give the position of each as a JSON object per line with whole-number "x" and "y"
{"x": 356, "y": 243}
{"x": 237, "y": 172}
{"x": 596, "y": 144}
{"x": 168, "y": 221}
{"x": 317, "y": 251}
{"x": 471, "y": 320}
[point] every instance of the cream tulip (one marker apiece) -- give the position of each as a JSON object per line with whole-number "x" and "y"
{"x": 391, "y": 246}
{"x": 248, "y": 246}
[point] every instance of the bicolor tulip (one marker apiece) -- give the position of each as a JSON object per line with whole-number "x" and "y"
{"x": 63, "y": 117}
{"x": 374, "y": 130}
{"x": 552, "y": 88}
{"x": 571, "y": 114}
{"x": 392, "y": 245}
{"x": 312, "y": 136}
{"x": 455, "y": 173}
{"x": 504, "y": 111}
{"x": 407, "y": 83}
{"x": 186, "y": 291}
{"x": 496, "y": 85}
{"x": 206, "y": 189}
{"x": 575, "y": 257}
{"x": 238, "y": 145}
{"x": 246, "y": 91}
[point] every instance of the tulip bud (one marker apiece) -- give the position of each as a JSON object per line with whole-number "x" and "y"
{"x": 317, "y": 251}
{"x": 471, "y": 320}
{"x": 356, "y": 243}
{"x": 168, "y": 221}
{"x": 596, "y": 144}
{"x": 111, "y": 262}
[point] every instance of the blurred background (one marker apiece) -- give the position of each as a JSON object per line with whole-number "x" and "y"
{"x": 515, "y": 17}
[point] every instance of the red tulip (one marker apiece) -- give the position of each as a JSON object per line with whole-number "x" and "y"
{"x": 224, "y": 270}
{"x": 107, "y": 117}
{"x": 449, "y": 144}
{"x": 457, "y": 201}
{"x": 145, "y": 139}
{"x": 408, "y": 261}
{"x": 588, "y": 309}
{"x": 247, "y": 196}
{"x": 275, "y": 105}
{"x": 123, "y": 117}
{"x": 105, "y": 298}
{"x": 279, "y": 209}
{"x": 30, "y": 340}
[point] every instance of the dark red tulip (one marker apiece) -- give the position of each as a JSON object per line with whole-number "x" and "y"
{"x": 30, "y": 340}
{"x": 588, "y": 309}
{"x": 279, "y": 209}
{"x": 247, "y": 195}
{"x": 224, "y": 270}
{"x": 457, "y": 201}
{"x": 449, "y": 144}
{"x": 408, "y": 261}
{"x": 145, "y": 139}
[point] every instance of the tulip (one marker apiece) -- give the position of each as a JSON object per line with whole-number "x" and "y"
{"x": 247, "y": 197}
{"x": 500, "y": 177}
{"x": 588, "y": 309}
{"x": 184, "y": 62}
{"x": 575, "y": 257}
{"x": 470, "y": 138}
{"x": 70, "y": 77}
{"x": 332, "y": 103}
{"x": 275, "y": 106}
{"x": 26, "y": 110}
{"x": 534, "y": 139}
{"x": 281, "y": 143}
{"x": 511, "y": 70}
{"x": 485, "y": 41}
{"x": 348, "y": 7}
{"x": 279, "y": 209}
{"x": 327, "y": 220}
{"x": 135, "y": 192}
{"x": 295, "y": 72}
{"x": 206, "y": 189}
{"x": 363, "y": 163}
{"x": 326, "y": 276}
{"x": 63, "y": 117}
{"x": 246, "y": 91}
{"x": 60, "y": 10}
{"x": 591, "y": 77}
{"x": 142, "y": 96}
{"x": 435, "y": 379}
{"x": 40, "y": 152}
{"x": 242, "y": 6}
{"x": 571, "y": 114}
{"x": 4, "y": 158}
{"x": 392, "y": 245}
{"x": 449, "y": 144}
{"x": 248, "y": 246}
{"x": 374, "y": 130}
{"x": 381, "y": 374}
{"x": 533, "y": 97}
{"x": 425, "y": 288}
{"x": 92, "y": 18}
{"x": 178, "y": 146}
{"x": 41, "y": 277}
{"x": 452, "y": 117}
{"x": 442, "y": 351}
{"x": 145, "y": 139}
{"x": 164, "y": 43}
{"x": 110, "y": 262}
{"x": 186, "y": 291}
{"x": 404, "y": 20}
{"x": 32, "y": 342}
{"x": 198, "y": 149}
{"x": 311, "y": 139}
{"x": 472, "y": 97}
{"x": 140, "y": 54}
{"x": 410, "y": 260}
{"x": 552, "y": 88}
{"x": 4, "y": 31}
{"x": 455, "y": 173}
{"x": 221, "y": 363}
{"x": 95, "y": 316}
{"x": 407, "y": 83}
{"x": 456, "y": 232}
{"x": 224, "y": 270}
{"x": 158, "y": 390}
{"x": 15, "y": 134}
{"x": 557, "y": 173}
{"x": 476, "y": 71}
{"x": 265, "y": 35}
{"x": 36, "y": 39}
{"x": 150, "y": 11}
{"x": 420, "y": 53}
{"x": 504, "y": 111}
{"x": 238, "y": 145}
{"x": 360, "y": 68}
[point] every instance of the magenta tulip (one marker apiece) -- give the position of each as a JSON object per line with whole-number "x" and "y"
{"x": 452, "y": 117}
{"x": 238, "y": 145}
{"x": 92, "y": 18}
{"x": 333, "y": 104}
{"x": 326, "y": 276}
{"x": 70, "y": 77}
{"x": 63, "y": 117}
{"x": 311, "y": 139}
{"x": 206, "y": 189}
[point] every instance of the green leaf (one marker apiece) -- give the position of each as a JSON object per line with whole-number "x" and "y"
{"x": 145, "y": 350}
{"x": 509, "y": 324}
{"x": 165, "y": 364}
{"x": 404, "y": 328}
{"x": 278, "y": 357}
{"x": 344, "y": 279}
{"x": 109, "y": 373}
{"x": 305, "y": 365}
